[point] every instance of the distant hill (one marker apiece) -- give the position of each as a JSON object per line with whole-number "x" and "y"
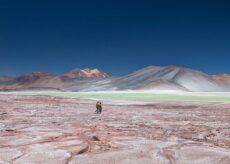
{"x": 223, "y": 77}
{"x": 6, "y": 78}
{"x": 46, "y": 80}
{"x": 171, "y": 77}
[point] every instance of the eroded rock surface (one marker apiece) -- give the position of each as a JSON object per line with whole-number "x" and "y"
{"x": 51, "y": 130}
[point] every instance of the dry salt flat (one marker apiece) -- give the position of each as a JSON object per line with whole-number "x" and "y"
{"x": 55, "y": 130}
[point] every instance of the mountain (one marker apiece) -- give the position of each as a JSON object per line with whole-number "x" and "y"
{"x": 171, "y": 77}
{"x": 86, "y": 73}
{"x": 157, "y": 78}
{"x": 31, "y": 77}
{"x": 49, "y": 81}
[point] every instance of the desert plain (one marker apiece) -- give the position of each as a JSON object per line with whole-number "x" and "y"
{"x": 62, "y": 128}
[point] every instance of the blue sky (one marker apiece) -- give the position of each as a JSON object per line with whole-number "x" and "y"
{"x": 116, "y": 36}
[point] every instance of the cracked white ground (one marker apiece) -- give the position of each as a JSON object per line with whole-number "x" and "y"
{"x": 52, "y": 130}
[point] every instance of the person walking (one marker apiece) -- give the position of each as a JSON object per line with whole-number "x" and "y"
{"x": 97, "y": 107}
{"x": 100, "y": 107}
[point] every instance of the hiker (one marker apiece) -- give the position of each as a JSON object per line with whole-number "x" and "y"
{"x": 98, "y": 106}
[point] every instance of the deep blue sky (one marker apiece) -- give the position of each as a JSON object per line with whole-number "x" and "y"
{"x": 117, "y": 36}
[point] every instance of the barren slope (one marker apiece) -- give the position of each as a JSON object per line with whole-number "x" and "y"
{"x": 224, "y": 77}
{"x": 150, "y": 78}
{"x": 157, "y": 78}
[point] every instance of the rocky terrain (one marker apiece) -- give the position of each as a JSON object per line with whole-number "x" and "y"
{"x": 52, "y": 130}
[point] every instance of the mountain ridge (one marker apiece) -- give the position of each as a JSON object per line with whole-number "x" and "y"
{"x": 170, "y": 77}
